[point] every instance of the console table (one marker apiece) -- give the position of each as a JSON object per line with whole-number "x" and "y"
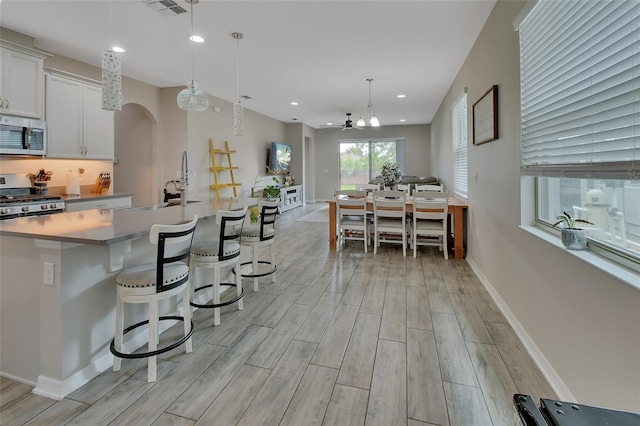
{"x": 291, "y": 197}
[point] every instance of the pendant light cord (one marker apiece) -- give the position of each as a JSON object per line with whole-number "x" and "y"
{"x": 110, "y": 25}
{"x": 191, "y": 39}
{"x": 238, "y": 67}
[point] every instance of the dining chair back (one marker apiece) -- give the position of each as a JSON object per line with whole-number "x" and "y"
{"x": 390, "y": 218}
{"x": 352, "y": 216}
{"x": 405, "y": 188}
{"x": 422, "y": 188}
{"x": 429, "y": 227}
{"x": 369, "y": 187}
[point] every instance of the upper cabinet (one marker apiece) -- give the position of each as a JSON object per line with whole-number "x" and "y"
{"x": 77, "y": 126}
{"x": 22, "y": 83}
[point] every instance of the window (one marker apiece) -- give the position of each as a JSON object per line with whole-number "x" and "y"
{"x": 362, "y": 159}
{"x": 580, "y": 106}
{"x": 459, "y": 138}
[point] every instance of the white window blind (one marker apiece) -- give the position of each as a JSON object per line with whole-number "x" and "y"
{"x": 580, "y": 89}
{"x": 459, "y": 138}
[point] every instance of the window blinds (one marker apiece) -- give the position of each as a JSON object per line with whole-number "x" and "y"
{"x": 459, "y": 137}
{"x": 580, "y": 89}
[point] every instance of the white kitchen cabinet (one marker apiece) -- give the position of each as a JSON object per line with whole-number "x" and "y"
{"x": 108, "y": 202}
{"x": 22, "y": 84}
{"x": 77, "y": 126}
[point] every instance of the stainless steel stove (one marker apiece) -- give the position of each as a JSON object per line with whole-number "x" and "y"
{"x": 17, "y": 199}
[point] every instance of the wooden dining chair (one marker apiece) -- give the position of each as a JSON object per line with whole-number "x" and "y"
{"x": 429, "y": 224}
{"x": 422, "y": 188}
{"x": 352, "y": 216}
{"x": 405, "y": 188}
{"x": 390, "y": 218}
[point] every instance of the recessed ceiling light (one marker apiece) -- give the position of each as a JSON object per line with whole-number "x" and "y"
{"x": 402, "y": 120}
{"x": 196, "y": 39}
{"x": 402, "y": 96}
{"x": 294, "y": 103}
{"x": 117, "y": 49}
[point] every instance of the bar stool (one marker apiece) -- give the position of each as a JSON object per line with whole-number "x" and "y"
{"x": 259, "y": 235}
{"x": 216, "y": 254}
{"x": 151, "y": 282}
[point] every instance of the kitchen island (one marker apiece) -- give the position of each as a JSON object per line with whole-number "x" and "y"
{"x": 58, "y": 291}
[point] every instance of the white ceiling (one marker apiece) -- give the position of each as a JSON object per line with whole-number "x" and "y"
{"x": 318, "y": 53}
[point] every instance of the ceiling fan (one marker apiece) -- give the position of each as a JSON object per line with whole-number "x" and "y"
{"x": 348, "y": 124}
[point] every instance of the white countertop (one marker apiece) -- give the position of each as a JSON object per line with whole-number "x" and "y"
{"x": 107, "y": 226}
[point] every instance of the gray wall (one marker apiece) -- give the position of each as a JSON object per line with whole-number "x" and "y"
{"x": 581, "y": 324}
{"x": 327, "y": 153}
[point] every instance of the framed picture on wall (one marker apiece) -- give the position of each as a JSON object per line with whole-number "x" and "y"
{"x": 485, "y": 117}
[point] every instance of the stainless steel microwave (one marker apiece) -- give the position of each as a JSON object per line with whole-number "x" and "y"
{"x": 22, "y": 136}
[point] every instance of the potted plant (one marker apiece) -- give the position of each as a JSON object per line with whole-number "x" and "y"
{"x": 391, "y": 174}
{"x": 273, "y": 191}
{"x": 573, "y": 238}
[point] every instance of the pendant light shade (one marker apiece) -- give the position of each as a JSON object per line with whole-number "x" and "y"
{"x": 111, "y": 73}
{"x": 111, "y": 81}
{"x": 373, "y": 120}
{"x": 238, "y": 108}
{"x": 191, "y": 98}
{"x": 360, "y": 122}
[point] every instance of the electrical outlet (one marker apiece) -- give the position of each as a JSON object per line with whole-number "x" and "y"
{"x": 49, "y": 273}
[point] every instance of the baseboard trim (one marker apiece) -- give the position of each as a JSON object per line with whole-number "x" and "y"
{"x": 58, "y": 389}
{"x": 547, "y": 370}
{"x": 17, "y": 379}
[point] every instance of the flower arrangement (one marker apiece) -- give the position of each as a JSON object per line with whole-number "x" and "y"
{"x": 391, "y": 173}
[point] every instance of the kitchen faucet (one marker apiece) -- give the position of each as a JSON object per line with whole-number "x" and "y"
{"x": 184, "y": 175}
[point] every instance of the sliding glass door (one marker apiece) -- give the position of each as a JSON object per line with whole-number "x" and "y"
{"x": 362, "y": 159}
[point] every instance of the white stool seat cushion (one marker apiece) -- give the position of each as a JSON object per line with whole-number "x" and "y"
{"x": 251, "y": 233}
{"x": 207, "y": 251}
{"x": 145, "y": 275}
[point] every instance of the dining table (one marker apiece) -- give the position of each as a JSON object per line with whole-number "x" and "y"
{"x": 457, "y": 208}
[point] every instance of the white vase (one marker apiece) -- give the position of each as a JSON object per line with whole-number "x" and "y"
{"x": 574, "y": 239}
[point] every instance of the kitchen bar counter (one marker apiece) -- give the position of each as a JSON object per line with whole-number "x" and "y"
{"x": 58, "y": 289}
{"x": 112, "y": 226}
{"x": 90, "y": 196}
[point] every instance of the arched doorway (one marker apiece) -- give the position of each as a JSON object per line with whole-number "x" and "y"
{"x": 133, "y": 169}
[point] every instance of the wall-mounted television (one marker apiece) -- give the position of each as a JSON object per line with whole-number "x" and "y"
{"x": 279, "y": 159}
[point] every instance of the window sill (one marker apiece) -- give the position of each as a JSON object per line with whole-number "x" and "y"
{"x": 623, "y": 274}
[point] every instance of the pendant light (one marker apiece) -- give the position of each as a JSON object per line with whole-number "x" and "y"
{"x": 191, "y": 98}
{"x": 238, "y": 108}
{"x": 373, "y": 120}
{"x": 111, "y": 73}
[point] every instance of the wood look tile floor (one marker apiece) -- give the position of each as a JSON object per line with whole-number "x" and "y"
{"x": 342, "y": 338}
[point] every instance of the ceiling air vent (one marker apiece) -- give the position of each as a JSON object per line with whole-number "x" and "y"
{"x": 165, "y": 7}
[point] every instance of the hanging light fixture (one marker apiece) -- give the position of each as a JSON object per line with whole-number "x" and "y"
{"x": 360, "y": 122}
{"x": 191, "y": 98}
{"x": 111, "y": 73}
{"x": 238, "y": 108}
{"x": 373, "y": 120}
